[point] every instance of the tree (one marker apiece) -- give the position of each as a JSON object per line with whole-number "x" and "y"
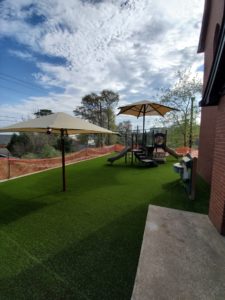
{"x": 43, "y": 112}
{"x": 19, "y": 144}
{"x": 99, "y": 110}
{"x": 68, "y": 144}
{"x": 109, "y": 99}
{"x": 183, "y": 96}
{"x": 39, "y": 144}
{"x": 31, "y": 142}
{"x": 175, "y": 139}
{"x": 125, "y": 130}
{"x": 90, "y": 109}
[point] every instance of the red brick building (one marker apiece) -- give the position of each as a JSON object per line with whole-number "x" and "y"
{"x": 211, "y": 165}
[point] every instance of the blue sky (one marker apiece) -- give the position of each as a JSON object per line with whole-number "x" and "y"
{"x": 55, "y": 52}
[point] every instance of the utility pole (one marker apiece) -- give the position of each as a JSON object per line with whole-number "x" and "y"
{"x": 100, "y": 111}
{"x": 191, "y": 122}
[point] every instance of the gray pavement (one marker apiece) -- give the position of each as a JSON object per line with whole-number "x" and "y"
{"x": 182, "y": 257}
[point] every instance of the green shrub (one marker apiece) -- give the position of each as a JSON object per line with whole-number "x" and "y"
{"x": 49, "y": 151}
{"x": 30, "y": 155}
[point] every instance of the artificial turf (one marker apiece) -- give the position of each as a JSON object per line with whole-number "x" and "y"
{"x": 84, "y": 243}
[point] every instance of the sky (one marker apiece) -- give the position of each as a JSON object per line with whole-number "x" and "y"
{"x": 54, "y": 52}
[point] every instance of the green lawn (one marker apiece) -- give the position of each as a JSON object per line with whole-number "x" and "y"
{"x": 84, "y": 243}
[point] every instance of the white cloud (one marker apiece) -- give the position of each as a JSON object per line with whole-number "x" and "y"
{"x": 133, "y": 49}
{"x": 22, "y": 55}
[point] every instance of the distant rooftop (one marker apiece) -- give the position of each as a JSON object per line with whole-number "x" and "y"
{"x": 5, "y": 139}
{"x": 4, "y": 152}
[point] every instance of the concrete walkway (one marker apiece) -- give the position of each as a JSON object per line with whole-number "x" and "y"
{"x": 182, "y": 257}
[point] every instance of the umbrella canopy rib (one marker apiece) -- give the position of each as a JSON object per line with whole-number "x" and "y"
{"x": 157, "y": 109}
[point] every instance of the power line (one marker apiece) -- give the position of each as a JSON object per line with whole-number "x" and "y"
{"x": 20, "y": 84}
{"x": 12, "y": 89}
{"x": 19, "y": 81}
{"x": 7, "y": 117}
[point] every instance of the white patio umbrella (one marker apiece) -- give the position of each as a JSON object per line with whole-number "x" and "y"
{"x": 145, "y": 108}
{"x": 60, "y": 123}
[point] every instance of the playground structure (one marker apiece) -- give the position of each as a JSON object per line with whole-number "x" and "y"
{"x": 155, "y": 140}
{"x": 148, "y": 148}
{"x": 119, "y": 155}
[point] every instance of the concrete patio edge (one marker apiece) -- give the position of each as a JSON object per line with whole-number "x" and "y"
{"x": 182, "y": 257}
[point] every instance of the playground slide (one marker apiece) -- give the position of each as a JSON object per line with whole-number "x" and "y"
{"x": 119, "y": 155}
{"x": 172, "y": 152}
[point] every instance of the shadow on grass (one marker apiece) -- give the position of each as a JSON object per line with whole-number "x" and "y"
{"x": 175, "y": 196}
{"x": 13, "y": 208}
{"x": 93, "y": 177}
{"x": 17, "y": 211}
{"x": 101, "y": 266}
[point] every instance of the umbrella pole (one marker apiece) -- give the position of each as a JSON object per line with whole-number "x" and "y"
{"x": 63, "y": 159}
{"x": 143, "y": 136}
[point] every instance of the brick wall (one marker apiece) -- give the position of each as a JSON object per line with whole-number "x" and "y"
{"x": 211, "y": 162}
{"x": 217, "y": 199}
{"x": 207, "y": 142}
